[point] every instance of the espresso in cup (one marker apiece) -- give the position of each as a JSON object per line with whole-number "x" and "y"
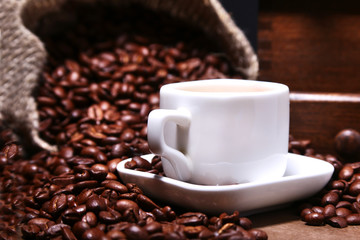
{"x": 209, "y": 131}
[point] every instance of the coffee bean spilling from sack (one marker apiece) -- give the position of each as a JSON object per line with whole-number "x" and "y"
{"x": 93, "y": 104}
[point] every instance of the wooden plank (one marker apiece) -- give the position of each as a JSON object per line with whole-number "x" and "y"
{"x": 319, "y": 117}
{"x": 309, "y": 50}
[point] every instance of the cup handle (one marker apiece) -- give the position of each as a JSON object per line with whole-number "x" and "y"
{"x": 156, "y": 123}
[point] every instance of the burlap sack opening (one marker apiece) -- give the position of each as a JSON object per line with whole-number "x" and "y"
{"x": 23, "y": 54}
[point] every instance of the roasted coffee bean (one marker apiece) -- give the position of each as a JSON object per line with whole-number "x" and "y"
{"x": 353, "y": 219}
{"x": 192, "y": 219}
{"x": 90, "y": 218}
{"x": 135, "y": 232}
{"x": 81, "y": 209}
{"x": 349, "y": 198}
{"x": 354, "y": 188}
{"x": 30, "y": 230}
{"x": 245, "y": 223}
{"x": 112, "y": 164}
{"x": 93, "y": 234}
{"x": 146, "y": 203}
{"x": 98, "y": 174}
{"x": 316, "y": 219}
{"x": 114, "y": 185}
{"x": 116, "y": 234}
{"x": 95, "y": 204}
{"x": 337, "y": 184}
{"x": 347, "y": 142}
{"x": 330, "y": 198}
{"x": 342, "y": 212}
{"x": 57, "y": 204}
{"x": 355, "y": 207}
{"x": 258, "y": 234}
{"x": 79, "y": 228}
{"x": 329, "y": 211}
{"x": 84, "y": 196}
{"x": 338, "y": 222}
{"x": 346, "y": 173}
{"x": 317, "y": 209}
{"x": 110, "y": 216}
{"x": 124, "y": 204}
{"x": 85, "y": 185}
{"x": 119, "y": 150}
{"x": 42, "y": 223}
{"x": 67, "y": 234}
{"x": 305, "y": 212}
{"x": 344, "y": 204}
{"x": 55, "y": 229}
{"x": 141, "y": 163}
{"x": 63, "y": 180}
{"x": 153, "y": 227}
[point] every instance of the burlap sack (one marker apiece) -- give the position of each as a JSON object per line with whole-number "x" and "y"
{"x": 23, "y": 54}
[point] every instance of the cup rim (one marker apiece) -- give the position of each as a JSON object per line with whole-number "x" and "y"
{"x": 272, "y": 88}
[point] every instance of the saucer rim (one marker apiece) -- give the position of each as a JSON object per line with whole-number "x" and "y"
{"x": 327, "y": 169}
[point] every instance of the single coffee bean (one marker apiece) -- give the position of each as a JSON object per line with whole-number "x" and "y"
{"x": 258, "y": 234}
{"x": 142, "y": 163}
{"x": 71, "y": 216}
{"x": 114, "y": 185}
{"x": 318, "y": 209}
{"x": 135, "y": 232}
{"x": 146, "y": 203}
{"x": 330, "y": 198}
{"x": 329, "y": 211}
{"x": 245, "y": 223}
{"x": 346, "y": 173}
{"x": 153, "y": 227}
{"x": 95, "y": 204}
{"x": 354, "y": 188}
{"x": 67, "y": 234}
{"x": 338, "y": 222}
{"x": 30, "y": 230}
{"x": 116, "y": 234}
{"x": 342, "y": 212}
{"x": 90, "y": 218}
{"x": 305, "y": 212}
{"x": 316, "y": 219}
{"x": 57, "y": 204}
{"x": 355, "y": 207}
{"x": 337, "y": 184}
{"x": 192, "y": 219}
{"x": 93, "y": 234}
{"x": 110, "y": 216}
{"x": 55, "y": 229}
{"x": 347, "y": 142}
{"x": 344, "y": 204}
{"x": 124, "y": 204}
{"x": 353, "y": 219}
{"x": 79, "y": 228}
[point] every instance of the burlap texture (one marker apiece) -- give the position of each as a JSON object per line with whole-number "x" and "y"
{"x": 23, "y": 54}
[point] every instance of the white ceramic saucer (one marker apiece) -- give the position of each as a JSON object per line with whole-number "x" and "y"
{"x": 304, "y": 177}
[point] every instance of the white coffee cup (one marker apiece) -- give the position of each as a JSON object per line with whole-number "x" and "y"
{"x": 221, "y": 131}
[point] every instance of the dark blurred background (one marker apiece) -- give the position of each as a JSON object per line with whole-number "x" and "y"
{"x": 245, "y": 14}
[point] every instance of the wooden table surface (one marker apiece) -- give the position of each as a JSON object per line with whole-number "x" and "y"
{"x": 285, "y": 224}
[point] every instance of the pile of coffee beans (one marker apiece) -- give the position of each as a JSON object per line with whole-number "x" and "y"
{"x": 101, "y": 81}
{"x": 338, "y": 204}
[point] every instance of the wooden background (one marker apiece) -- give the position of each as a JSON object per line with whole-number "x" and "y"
{"x": 314, "y": 48}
